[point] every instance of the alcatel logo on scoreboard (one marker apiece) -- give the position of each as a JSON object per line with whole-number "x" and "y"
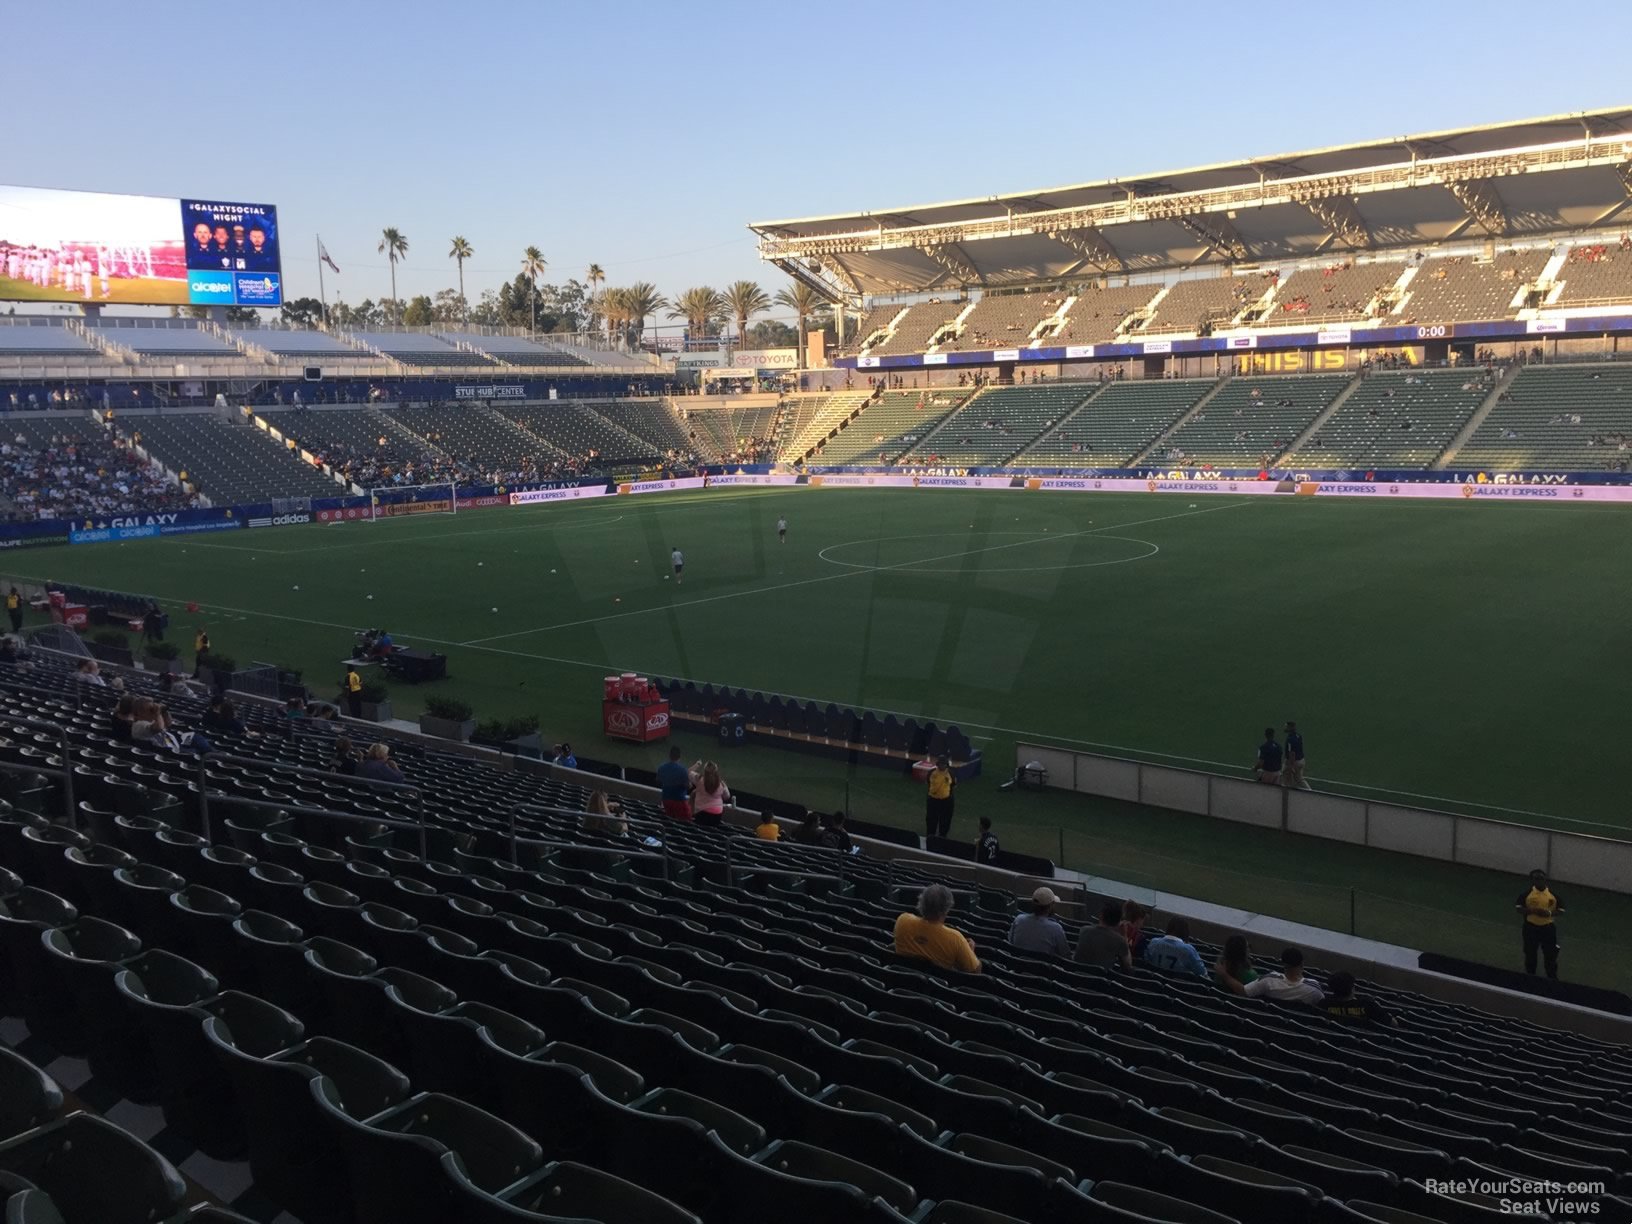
{"x": 204, "y": 288}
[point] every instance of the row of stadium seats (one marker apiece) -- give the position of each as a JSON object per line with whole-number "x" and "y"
{"x": 1116, "y": 424}
{"x": 1397, "y": 420}
{"x": 888, "y": 426}
{"x": 1455, "y": 289}
{"x": 1332, "y": 294}
{"x": 308, "y": 1003}
{"x": 1442, "y": 289}
{"x": 997, "y": 423}
{"x": 1560, "y": 419}
{"x": 1202, "y": 304}
{"x": 1252, "y": 420}
{"x": 227, "y": 462}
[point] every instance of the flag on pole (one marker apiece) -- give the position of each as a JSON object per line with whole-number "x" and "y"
{"x": 323, "y": 254}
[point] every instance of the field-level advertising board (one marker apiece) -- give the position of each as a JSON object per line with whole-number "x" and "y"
{"x": 95, "y": 248}
{"x": 403, "y": 501}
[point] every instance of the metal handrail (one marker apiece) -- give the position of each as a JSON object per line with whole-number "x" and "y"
{"x": 612, "y": 851}
{"x": 306, "y": 771}
{"x": 67, "y": 762}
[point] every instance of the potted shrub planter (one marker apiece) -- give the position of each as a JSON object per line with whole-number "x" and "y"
{"x": 375, "y": 702}
{"x": 216, "y": 670}
{"x": 111, "y": 646}
{"x": 446, "y": 719}
{"x": 519, "y": 735}
{"x": 161, "y": 657}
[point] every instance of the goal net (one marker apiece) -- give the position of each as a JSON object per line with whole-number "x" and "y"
{"x": 394, "y": 501}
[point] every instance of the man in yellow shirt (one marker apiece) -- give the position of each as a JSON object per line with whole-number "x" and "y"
{"x": 14, "y": 609}
{"x": 926, "y": 936}
{"x": 1540, "y": 907}
{"x": 354, "y": 693}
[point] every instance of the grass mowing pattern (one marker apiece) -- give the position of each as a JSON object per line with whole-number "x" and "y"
{"x": 1456, "y": 655}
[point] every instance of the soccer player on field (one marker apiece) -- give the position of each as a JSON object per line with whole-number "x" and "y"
{"x": 679, "y": 559}
{"x": 782, "y": 528}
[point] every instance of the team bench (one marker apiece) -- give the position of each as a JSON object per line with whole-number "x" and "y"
{"x": 862, "y": 737}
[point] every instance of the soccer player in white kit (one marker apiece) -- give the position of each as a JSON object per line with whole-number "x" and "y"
{"x": 679, "y": 559}
{"x": 782, "y": 528}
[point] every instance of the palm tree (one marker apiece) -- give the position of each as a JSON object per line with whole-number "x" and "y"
{"x": 532, "y": 267}
{"x": 394, "y": 246}
{"x": 638, "y": 302}
{"x": 614, "y": 309}
{"x": 462, "y": 250}
{"x": 745, "y": 299}
{"x": 804, "y": 302}
{"x": 596, "y": 276}
{"x": 699, "y": 307}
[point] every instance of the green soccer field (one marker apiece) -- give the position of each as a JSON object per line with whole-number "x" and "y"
{"x": 1455, "y": 655}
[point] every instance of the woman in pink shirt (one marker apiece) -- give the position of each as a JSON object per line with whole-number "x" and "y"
{"x": 709, "y": 793}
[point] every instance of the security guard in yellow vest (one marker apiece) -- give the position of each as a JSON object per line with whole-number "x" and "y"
{"x": 14, "y": 609}
{"x": 1541, "y": 908}
{"x": 354, "y": 693}
{"x": 938, "y": 800}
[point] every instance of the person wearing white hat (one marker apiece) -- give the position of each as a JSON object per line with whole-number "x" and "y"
{"x": 1038, "y": 930}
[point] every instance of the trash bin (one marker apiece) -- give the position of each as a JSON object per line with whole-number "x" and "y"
{"x": 733, "y": 730}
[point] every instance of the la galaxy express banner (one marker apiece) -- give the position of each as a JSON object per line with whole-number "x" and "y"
{"x": 96, "y": 248}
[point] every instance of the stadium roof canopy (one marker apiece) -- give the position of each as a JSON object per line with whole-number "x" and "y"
{"x": 1555, "y": 176}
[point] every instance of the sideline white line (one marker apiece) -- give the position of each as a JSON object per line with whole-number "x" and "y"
{"x": 803, "y": 582}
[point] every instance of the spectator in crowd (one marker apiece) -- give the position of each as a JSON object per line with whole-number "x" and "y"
{"x": 14, "y": 609}
{"x": 377, "y": 765}
{"x": 562, "y": 755}
{"x": 810, "y": 832}
{"x": 1038, "y": 930}
{"x": 926, "y": 936}
{"x": 1133, "y": 926}
{"x": 767, "y": 829}
{"x": 1104, "y": 943}
{"x": 74, "y": 477}
{"x": 152, "y": 726}
{"x": 1174, "y": 952}
{"x": 10, "y": 653}
{"x": 1268, "y": 765}
{"x": 153, "y": 624}
{"x": 938, "y": 800}
{"x": 674, "y": 781}
{"x": 1233, "y": 970}
{"x": 1292, "y": 771}
{"x": 345, "y": 758}
{"x": 1287, "y": 986}
{"x": 603, "y": 814}
{"x": 1341, "y": 1003}
{"x": 90, "y": 672}
{"x": 124, "y": 717}
{"x": 1540, "y": 907}
{"x": 170, "y": 682}
{"x": 221, "y": 716}
{"x": 294, "y": 710}
{"x": 709, "y": 794}
{"x": 834, "y": 835}
{"x": 986, "y": 848}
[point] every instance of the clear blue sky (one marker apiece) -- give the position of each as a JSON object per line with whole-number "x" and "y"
{"x": 643, "y": 136}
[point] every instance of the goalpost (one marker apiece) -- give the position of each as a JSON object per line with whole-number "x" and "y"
{"x": 395, "y": 501}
